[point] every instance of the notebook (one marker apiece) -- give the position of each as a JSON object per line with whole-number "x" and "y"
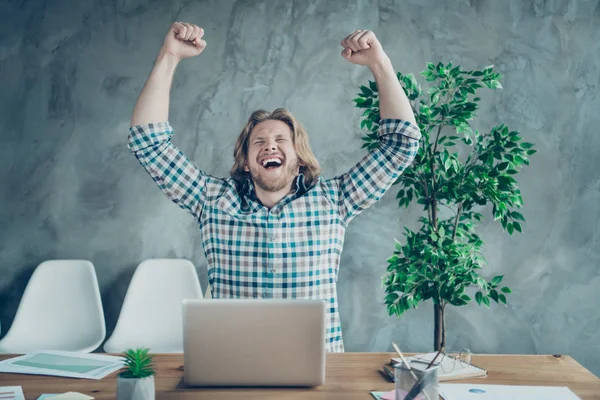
{"x": 445, "y": 372}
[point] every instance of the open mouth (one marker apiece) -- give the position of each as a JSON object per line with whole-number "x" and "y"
{"x": 271, "y": 163}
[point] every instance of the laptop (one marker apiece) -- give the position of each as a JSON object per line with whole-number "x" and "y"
{"x": 254, "y": 342}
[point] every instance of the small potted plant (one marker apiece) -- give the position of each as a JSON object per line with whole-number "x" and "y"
{"x": 137, "y": 381}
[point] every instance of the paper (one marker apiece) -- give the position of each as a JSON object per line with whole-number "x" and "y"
{"x": 401, "y": 394}
{"x": 11, "y": 393}
{"x": 71, "y": 396}
{"x": 472, "y": 391}
{"x": 63, "y": 363}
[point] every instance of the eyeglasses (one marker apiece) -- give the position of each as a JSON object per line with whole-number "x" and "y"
{"x": 449, "y": 361}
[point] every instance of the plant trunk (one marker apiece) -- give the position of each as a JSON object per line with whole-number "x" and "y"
{"x": 439, "y": 329}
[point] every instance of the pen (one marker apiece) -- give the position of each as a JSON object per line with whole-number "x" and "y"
{"x": 389, "y": 374}
{"x": 434, "y": 358}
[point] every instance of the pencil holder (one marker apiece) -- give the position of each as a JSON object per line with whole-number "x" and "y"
{"x": 416, "y": 385}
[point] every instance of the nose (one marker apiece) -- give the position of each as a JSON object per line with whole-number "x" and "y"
{"x": 270, "y": 145}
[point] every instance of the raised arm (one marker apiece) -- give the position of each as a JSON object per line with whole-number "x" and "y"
{"x": 183, "y": 40}
{"x": 399, "y": 134}
{"x": 363, "y": 48}
{"x": 150, "y": 132}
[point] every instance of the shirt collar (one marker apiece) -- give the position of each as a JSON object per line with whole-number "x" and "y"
{"x": 299, "y": 187}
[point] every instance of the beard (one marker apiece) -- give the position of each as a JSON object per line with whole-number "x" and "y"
{"x": 274, "y": 185}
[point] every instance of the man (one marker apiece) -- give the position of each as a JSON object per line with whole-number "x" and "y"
{"x": 276, "y": 228}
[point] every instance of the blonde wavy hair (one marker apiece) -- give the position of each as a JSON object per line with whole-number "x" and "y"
{"x": 310, "y": 168}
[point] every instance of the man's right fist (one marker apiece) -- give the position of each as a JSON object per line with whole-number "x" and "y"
{"x": 184, "y": 40}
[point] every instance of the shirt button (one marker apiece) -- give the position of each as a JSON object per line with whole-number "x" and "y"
{"x": 272, "y": 238}
{"x": 273, "y": 270}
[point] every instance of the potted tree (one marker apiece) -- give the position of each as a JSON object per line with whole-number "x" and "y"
{"x": 137, "y": 381}
{"x": 457, "y": 172}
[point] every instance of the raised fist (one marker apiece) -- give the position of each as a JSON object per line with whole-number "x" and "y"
{"x": 184, "y": 40}
{"x": 362, "y": 47}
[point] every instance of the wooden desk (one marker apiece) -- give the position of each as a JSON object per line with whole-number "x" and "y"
{"x": 349, "y": 376}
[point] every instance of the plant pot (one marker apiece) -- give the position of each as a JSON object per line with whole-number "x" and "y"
{"x": 135, "y": 388}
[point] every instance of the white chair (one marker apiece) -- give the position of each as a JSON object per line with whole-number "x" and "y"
{"x": 152, "y": 311}
{"x": 60, "y": 309}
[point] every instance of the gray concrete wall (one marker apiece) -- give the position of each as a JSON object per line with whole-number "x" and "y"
{"x": 71, "y": 73}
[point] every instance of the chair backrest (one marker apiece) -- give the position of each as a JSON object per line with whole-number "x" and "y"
{"x": 60, "y": 309}
{"x": 151, "y": 315}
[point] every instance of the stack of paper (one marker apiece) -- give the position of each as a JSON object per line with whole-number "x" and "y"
{"x": 63, "y": 363}
{"x": 11, "y": 392}
{"x": 66, "y": 396}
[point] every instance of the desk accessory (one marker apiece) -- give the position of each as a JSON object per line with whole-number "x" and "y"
{"x": 409, "y": 384}
{"x": 137, "y": 381}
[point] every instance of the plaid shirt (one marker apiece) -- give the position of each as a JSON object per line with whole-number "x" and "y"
{"x": 292, "y": 250}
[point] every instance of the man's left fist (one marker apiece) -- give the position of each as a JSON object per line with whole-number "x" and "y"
{"x": 363, "y": 48}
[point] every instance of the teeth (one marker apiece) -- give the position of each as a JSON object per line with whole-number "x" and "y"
{"x": 268, "y": 160}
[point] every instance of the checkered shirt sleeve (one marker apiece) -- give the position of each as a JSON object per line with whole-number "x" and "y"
{"x": 367, "y": 181}
{"x": 175, "y": 175}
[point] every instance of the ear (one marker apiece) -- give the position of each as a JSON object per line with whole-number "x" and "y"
{"x": 246, "y": 168}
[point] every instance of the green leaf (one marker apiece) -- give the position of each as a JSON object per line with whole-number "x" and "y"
{"x": 510, "y": 228}
{"x": 366, "y": 92}
{"x": 497, "y": 279}
{"x": 429, "y": 76}
{"x": 517, "y": 226}
{"x": 502, "y": 298}
{"x": 506, "y": 289}
{"x": 486, "y": 301}
{"x": 494, "y": 295}
{"x": 390, "y": 298}
{"x": 373, "y": 86}
{"x": 502, "y": 166}
{"x": 479, "y": 297}
{"x": 493, "y": 84}
{"x": 517, "y": 215}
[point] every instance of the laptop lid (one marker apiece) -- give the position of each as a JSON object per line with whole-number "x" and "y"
{"x": 254, "y": 342}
